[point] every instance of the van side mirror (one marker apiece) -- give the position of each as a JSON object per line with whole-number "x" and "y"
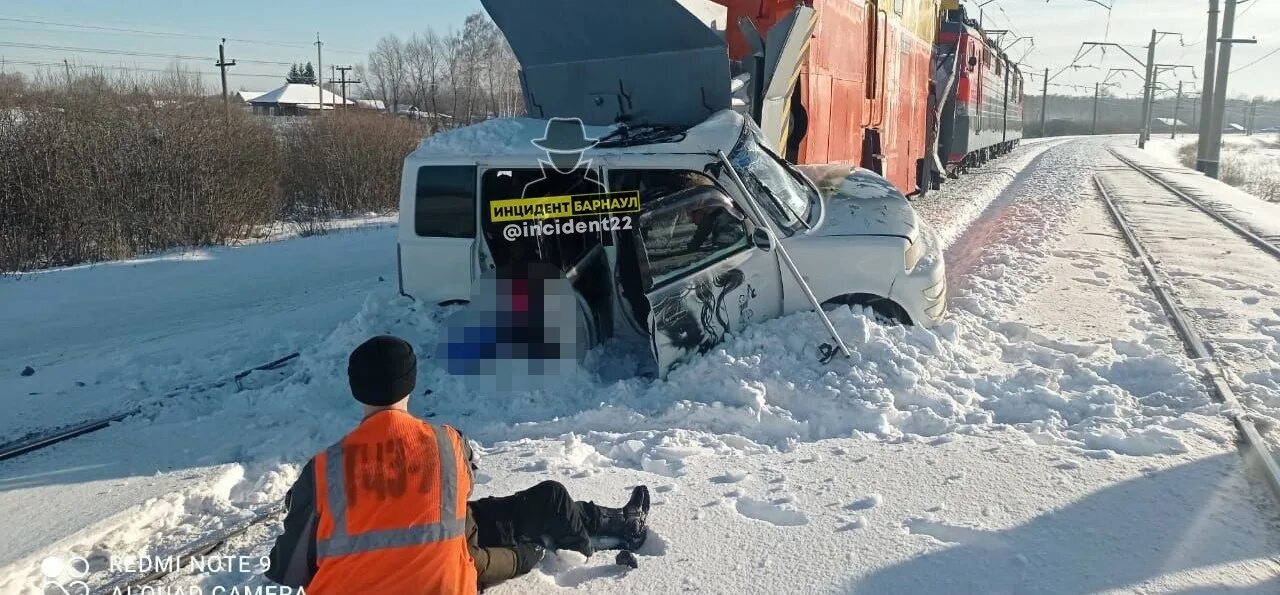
{"x": 762, "y": 239}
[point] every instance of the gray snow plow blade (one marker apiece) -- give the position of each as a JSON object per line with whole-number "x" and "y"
{"x": 606, "y": 61}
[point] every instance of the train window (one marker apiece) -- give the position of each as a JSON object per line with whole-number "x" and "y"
{"x": 999, "y": 69}
{"x": 897, "y": 6}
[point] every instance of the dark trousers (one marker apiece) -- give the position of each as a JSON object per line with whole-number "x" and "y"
{"x": 526, "y": 516}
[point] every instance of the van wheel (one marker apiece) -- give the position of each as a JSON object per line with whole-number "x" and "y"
{"x": 886, "y": 311}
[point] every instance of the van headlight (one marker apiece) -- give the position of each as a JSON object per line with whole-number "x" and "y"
{"x": 914, "y": 251}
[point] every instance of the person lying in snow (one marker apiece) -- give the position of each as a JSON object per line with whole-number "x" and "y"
{"x": 385, "y": 509}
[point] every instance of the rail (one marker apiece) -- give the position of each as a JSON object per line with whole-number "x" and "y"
{"x": 1253, "y": 445}
{"x": 1254, "y": 238}
{"x": 49, "y": 437}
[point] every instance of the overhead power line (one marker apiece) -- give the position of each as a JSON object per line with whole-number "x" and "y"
{"x": 130, "y": 31}
{"x": 7, "y": 61}
{"x": 113, "y": 52}
{"x": 1264, "y": 57}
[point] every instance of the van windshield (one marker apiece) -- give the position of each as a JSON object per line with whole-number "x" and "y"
{"x": 786, "y": 199}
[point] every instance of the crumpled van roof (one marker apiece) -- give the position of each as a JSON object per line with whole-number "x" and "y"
{"x": 514, "y": 137}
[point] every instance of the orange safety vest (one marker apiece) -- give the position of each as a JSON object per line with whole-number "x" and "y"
{"x": 392, "y": 504}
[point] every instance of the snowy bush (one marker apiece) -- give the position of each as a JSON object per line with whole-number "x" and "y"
{"x": 1254, "y": 169}
{"x": 344, "y": 165}
{"x": 102, "y": 169}
{"x": 87, "y": 176}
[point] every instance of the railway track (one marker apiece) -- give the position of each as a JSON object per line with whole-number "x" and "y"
{"x": 1253, "y": 445}
{"x": 1271, "y": 245}
{"x": 46, "y": 438}
{"x": 205, "y": 546}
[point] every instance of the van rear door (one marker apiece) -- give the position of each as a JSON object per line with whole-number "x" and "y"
{"x": 437, "y": 236}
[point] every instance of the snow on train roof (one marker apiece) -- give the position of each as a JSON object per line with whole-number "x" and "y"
{"x": 514, "y": 136}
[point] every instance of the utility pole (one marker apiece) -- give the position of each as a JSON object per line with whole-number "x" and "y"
{"x": 344, "y": 81}
{"x": 1097, "y": 87}
{"x": 1177, "y": 103}
{"x": 1253, "y": 117}
{"x": 1212, "y": 149}
{"x": 1044, "y": 102}
{"x": 319, "y": 73}
{"x": 1206, "y": 91}
{"x": 1148, "y": 90}
{"x": 66, "y": 65}
{"x": 222, "y": 66}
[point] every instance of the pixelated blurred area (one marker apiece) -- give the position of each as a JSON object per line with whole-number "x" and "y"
{"x": 523, "y": 329}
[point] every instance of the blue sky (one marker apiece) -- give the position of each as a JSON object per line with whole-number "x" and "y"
{"x": 350, "y": 28}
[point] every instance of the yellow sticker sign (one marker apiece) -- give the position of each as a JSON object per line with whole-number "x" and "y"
{"x": 555, "y": 207}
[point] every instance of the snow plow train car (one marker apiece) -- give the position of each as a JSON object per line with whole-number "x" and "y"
{"x": 907, "y": 89}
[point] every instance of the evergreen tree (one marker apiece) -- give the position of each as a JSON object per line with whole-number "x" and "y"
{"x": 309, "y": 74}
{"x": 294, "y": 75}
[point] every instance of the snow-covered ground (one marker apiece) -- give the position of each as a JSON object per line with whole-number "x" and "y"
{"x": 1051, "y": 436}
{"x": 101, "y": 337}
{"x": 1251, "y": 163}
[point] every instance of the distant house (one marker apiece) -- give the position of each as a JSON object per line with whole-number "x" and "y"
{"x": 373, "y": 104}
{"x": 296, "y": 99}
{"x": 1234, "y": 128}
{"x": 244, "y": 97}
{"x": 1167, "y": 124}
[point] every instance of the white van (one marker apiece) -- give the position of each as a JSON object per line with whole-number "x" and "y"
{"x": 697, "y": 260}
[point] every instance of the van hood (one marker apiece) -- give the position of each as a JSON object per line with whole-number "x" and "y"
{"x": 860, "y": 202}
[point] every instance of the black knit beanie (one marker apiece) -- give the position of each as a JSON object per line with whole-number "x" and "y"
{"x": 382, "y": 370}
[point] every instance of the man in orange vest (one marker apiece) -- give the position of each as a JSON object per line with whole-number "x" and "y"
{"x": 385, "y": 509}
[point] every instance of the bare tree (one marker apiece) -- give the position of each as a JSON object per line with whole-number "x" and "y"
{"x": 387, "y": 72}
{"x": 472, "y": 72}
{"x": 424, "y": 61}
{"x": 453, "y": 56}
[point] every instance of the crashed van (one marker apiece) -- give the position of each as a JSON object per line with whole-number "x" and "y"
{"x": 676, "y": 224}
{"x": 700, "y": 253}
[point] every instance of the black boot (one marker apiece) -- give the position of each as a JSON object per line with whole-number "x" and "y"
{"x": 628, "y": 524}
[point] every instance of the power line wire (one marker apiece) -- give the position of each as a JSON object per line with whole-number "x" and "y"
{"x": 1264, "y": 57}
{"x": 6, "y": 61}
{"x": 105, "y": 28}
{"x": 113, "y": 52}
{"x": 1252, "y": 3}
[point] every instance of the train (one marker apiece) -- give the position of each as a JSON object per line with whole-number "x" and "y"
{"x": 982, "y": 117}
{"x": 910, "y": 89}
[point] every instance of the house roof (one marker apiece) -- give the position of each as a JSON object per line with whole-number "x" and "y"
{"x": 304, "y": 96}
{"x": 371, "y": 103}
{"x": 249, "y": 95}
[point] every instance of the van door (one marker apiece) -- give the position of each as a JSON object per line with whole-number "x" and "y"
{"x": 437, "y": 234}
{"x": 704, "y": 279}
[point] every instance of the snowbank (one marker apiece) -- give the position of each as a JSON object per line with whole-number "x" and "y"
{"x": 911, "y": 461}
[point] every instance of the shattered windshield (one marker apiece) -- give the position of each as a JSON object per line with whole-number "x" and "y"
{"x": 785, "y": 198}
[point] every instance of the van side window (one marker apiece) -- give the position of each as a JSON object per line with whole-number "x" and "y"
{"x": 445, "y": 201}
{"x": 688, "y": 231}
